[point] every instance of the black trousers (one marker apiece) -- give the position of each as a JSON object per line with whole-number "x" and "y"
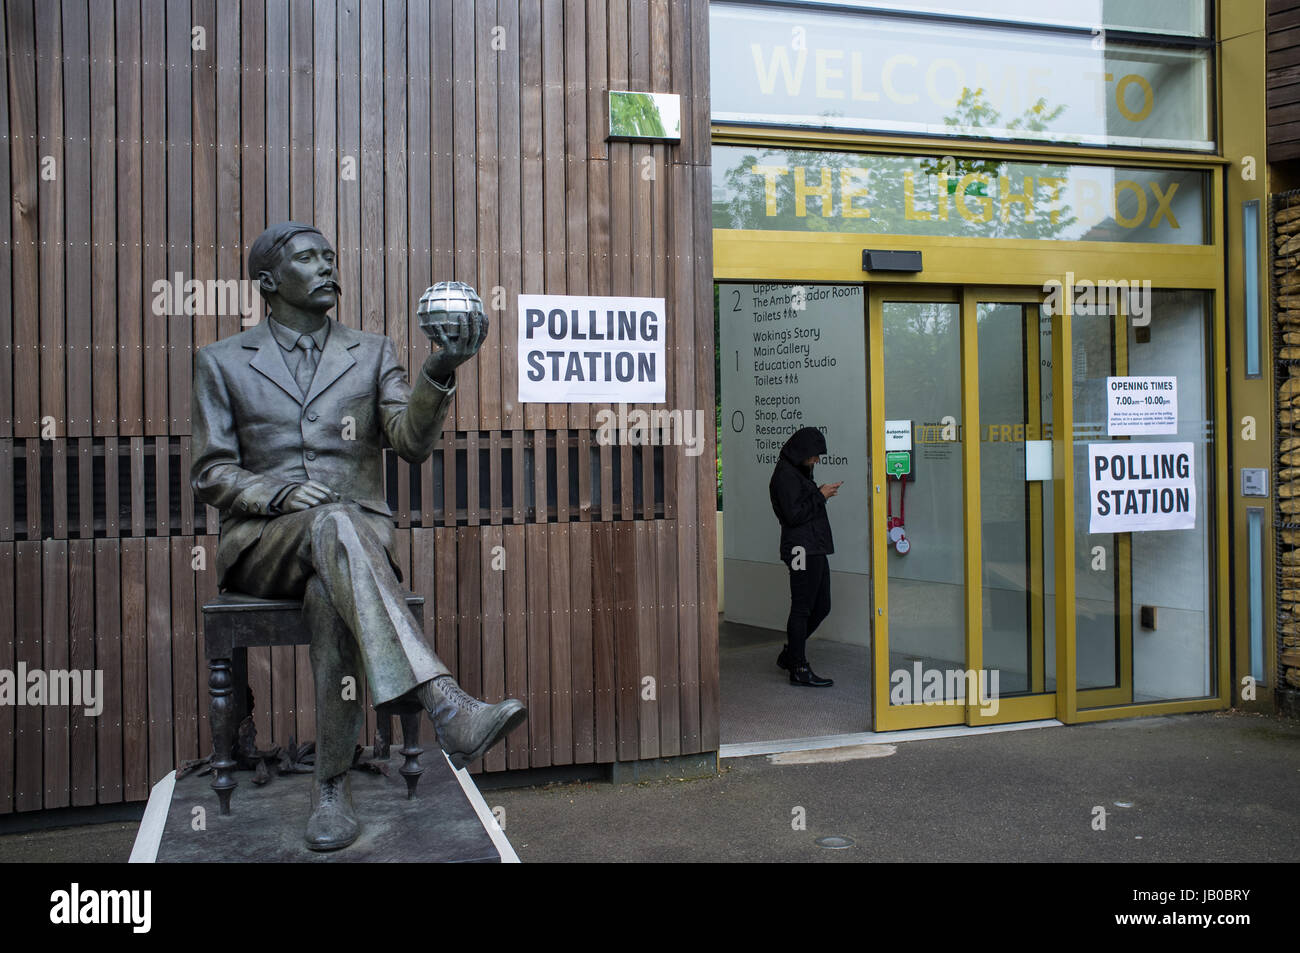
{"x": 810, "y": 602}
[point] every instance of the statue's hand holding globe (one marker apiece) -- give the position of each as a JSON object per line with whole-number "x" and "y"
{"x": 451, "y": 314}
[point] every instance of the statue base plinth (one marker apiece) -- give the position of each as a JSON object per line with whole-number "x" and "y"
{"x": 446, "y": 822}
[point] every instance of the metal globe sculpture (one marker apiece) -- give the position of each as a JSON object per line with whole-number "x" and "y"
{"x": 444, "y": 304}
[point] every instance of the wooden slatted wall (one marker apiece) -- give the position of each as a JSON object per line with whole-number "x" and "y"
{"x": 1282, "y": 42}
{"x": 432, "y": 139}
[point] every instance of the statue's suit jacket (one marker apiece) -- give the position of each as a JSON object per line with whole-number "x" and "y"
{"x": 254, "y": 433}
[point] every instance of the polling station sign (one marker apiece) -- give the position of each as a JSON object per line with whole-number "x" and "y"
{"x": 1140, "y": 487}
{"x": 591, "y": 350}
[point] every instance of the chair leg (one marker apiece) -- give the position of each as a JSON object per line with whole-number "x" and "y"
{"x": 411, "y": 751}
{"x": 222, "y": 718}
{"x": 383, "y": 731}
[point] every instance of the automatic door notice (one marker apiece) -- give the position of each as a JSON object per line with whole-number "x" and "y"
{"x": 1141, "y": 406}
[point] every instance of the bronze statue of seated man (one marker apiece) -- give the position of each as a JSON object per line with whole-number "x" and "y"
{"x": 290, "y": 419}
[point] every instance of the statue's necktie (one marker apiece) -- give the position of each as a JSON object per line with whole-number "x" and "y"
{"x": 307, "y": 364}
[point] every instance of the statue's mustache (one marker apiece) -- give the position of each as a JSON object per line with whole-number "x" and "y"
{"x": 338, "y": 290}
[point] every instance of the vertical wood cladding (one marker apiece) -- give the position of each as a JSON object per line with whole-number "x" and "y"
{"x": 1282, "y": 44}
{"x": 430, "y": 140}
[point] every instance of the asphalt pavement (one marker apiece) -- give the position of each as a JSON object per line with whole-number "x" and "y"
{"x": 1186, "y": 788}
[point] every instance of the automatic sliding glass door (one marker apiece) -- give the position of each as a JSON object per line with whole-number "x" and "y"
{"x": 1017, "y": 575}
{"x": 962, "y": 491}
{"x": 919, "y": 502}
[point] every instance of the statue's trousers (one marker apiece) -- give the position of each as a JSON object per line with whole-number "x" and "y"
{"x": 335, "y": 558}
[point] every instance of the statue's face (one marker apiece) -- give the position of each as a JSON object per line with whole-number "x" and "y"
{"x": 305, "y": 276}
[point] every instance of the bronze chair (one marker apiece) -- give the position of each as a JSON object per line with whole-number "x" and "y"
{"x": 232, "y": 623}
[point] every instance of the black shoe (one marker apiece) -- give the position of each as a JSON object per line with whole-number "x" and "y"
{"x": 804, "y": 675}
{"x": 783, "y": 660}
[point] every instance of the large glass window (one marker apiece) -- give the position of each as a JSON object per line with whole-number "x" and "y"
{"x": 821, "y": 191}
{"x": 887, "y": 73}
{"x": 1169, "y": 17}
{"x": 1145, "y": 598}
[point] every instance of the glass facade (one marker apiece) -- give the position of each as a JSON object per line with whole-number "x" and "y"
{"x": 894, "y": 74}
{"x": 1004, "y": 564}
{"x": 825, "y": 191}
{"x": 1124, "y": 654}
{"x": 1183, "y": 18}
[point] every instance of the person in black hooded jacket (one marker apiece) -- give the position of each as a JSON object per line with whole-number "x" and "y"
{"x": 800, "y": 507}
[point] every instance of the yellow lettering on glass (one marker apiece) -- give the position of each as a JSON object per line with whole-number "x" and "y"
{"x": 999, "y": 96}
{"x": 1053, "y": 186}
{"x": 802, "y": 190}
{"x": 1141, "y": 216}
{"x": 850, "y": 191}
{"x": 1099, "y": 100}
{"x": 855, "y": 81}
{"x": 824, "y": 74}
{"x": 780, "y": 61}
{"x": 910, "y": 211}
{"x": 1006, "y": 197}
{"x": 1148, "y": 97}
{"x": 1088, "y": 195}
{"x": 984, "y": 202}
{"x": 1162, "y": 208}
{"x": 1036, "y": 86}
{"x": 770, "y": 173}
{"x": 887, "y": 78}
{"x": 932, "y": 87}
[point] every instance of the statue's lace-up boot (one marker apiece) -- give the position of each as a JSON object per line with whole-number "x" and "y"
{"x": 467, "y": 727}
{"x": 333, "y": 822}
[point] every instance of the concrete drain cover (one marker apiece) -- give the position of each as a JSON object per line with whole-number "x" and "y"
{"x": 835, "y": 842}
{"x": 832, "y": 755}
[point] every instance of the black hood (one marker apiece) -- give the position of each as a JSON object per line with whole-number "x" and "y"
{"x": 805, "y": 443}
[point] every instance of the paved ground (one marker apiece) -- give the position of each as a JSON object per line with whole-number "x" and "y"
{"x": 1211, "y": 787}
{"x": 760, "y": 704}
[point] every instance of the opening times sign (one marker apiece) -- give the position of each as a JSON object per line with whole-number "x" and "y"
{"x": 580, "y": 349}
{"x": 1140, "y": 487}
{"x": 1141, "y": 406}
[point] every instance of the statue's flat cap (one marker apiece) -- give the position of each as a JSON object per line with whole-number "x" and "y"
{"x": 262, "y": 254}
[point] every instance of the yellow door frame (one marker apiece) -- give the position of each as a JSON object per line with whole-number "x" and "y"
{"x": 962, "y": 265}
{"x": 1018, "y": 708}
{"x": 894, "y": 717}
{"x": 1039, "y": 703}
